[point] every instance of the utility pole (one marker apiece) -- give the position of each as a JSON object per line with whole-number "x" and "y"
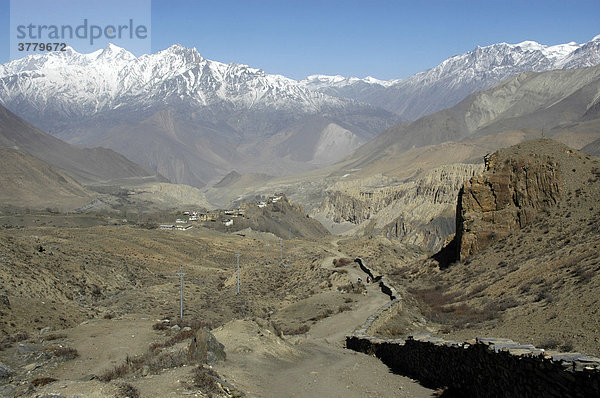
{"x": 238, "y": 271}
{"x": 181, "y": 274}
{"x": 281, "y": 250}
{"x": 267, "y": 252}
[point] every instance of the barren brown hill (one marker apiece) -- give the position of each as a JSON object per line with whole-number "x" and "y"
{"x": 280, "y": 218}
{"x": 87, "y": 166}
{"x": 27, "y": 182}
{"x": 530, "y": 265}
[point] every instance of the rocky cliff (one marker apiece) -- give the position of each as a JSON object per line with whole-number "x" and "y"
{"x": 518, "y": 183}
{"x": 419, "y": 211}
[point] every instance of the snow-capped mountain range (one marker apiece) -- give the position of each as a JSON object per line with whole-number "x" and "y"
{"x": 193, "y": 120}
{"x": 77, "y": 85}
{"x": 184, "y": 116}
{"x": 452, "y": 80}
{"x": 83, "y": 84}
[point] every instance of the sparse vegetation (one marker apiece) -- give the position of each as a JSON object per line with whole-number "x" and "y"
{"x": 63, "y": 352}
{"x": 10, "y": 340}
{"x": 344, "y": 307}
{"x": 298, "y": 330}
{"x": 160, "y": 326}
{"x": 42, "y": 381}
{"x": 355, "y": 288}
{"x": 126, "y": 390}
{"x": 447, "y": 308}
{"x": 178, "y": 338}
{"x": 115, "y": 373}
{"x": 205, "y": 380}
{"x": 156, "y": 358}
{"x": 342, "y": 262}
{"x": 55, "y": 336}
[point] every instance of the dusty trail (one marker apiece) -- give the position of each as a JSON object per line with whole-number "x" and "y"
{"x": 258, "y": 363}
{"x": 320, "y": 366}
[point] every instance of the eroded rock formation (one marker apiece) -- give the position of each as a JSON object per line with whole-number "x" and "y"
{"x": 516, "y": 185}
{"x": 417, "y": 212}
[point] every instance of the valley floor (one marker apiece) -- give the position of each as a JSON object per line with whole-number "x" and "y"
{"x": 313, "y": 302}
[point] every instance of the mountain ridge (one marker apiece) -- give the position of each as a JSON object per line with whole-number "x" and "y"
{"x": 181, "y": 115}
{"x": 86, "y": 165}
{"x": 458, "y": 76}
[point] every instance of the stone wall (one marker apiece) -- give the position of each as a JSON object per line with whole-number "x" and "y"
{"x": 484, "y": 367}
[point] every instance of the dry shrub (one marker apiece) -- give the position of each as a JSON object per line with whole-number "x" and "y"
{"x": 205, "y": 380}
{"x": 356, "y": 288}
{"x": 42, "y": 381}
{"x": 55, "y": 336}
{"x": 160, "y": 326}
{"x": 477, "y": 289}
{"x": 503, "y": 304}
{"x": 446, "y": 308}
{"x": 549, "y": 344}
{"x": 127, "y": 391}
{"x": 166, "y": 360}
{"x": 178, "y": 338}
{"x": 344, "y": 307}
{"x": 567, "y": 346}
{"x": 195, "y": 324}
{"x": 342, "y": 262}
{"x": 114, "y": 373}
{"x": 63, "y": 352}
{"x": 322, "y": 315}
{"x": 154, "y": 359}
{"x": 10, "y": 340}
{"x": 299, "y": 330}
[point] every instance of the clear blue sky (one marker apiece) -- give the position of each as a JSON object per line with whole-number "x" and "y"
{"x": 384, "y": 39}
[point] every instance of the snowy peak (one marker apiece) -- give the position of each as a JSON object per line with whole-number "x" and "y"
{"x": 452, "y": 80}
{"x": 525, "y": 54}
{"x": 77, "y": 85}
{"x": 318, "y": 82}
{"x": 115, "y": 52}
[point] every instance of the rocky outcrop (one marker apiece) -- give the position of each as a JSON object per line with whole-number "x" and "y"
{"x": 205, "y": 348}
{"x": 418, "y": 212}
{"x": 342, "y": 206}
{"x": 5, "y": 371}
{"x": 514, "y": 187}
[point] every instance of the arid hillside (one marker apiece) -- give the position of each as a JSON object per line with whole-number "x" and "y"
{"x": 59, "y": 276}
{"x": 529, "y": 264}
{"x": 28, "y": 182}
{"x": 280, "y": 218}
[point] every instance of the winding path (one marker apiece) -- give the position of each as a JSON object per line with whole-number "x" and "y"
{"x": 322, "y": 366}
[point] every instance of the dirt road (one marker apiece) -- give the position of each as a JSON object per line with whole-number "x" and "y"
{"x": 318, "y": 365}
{"x": 259, "y": 363}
